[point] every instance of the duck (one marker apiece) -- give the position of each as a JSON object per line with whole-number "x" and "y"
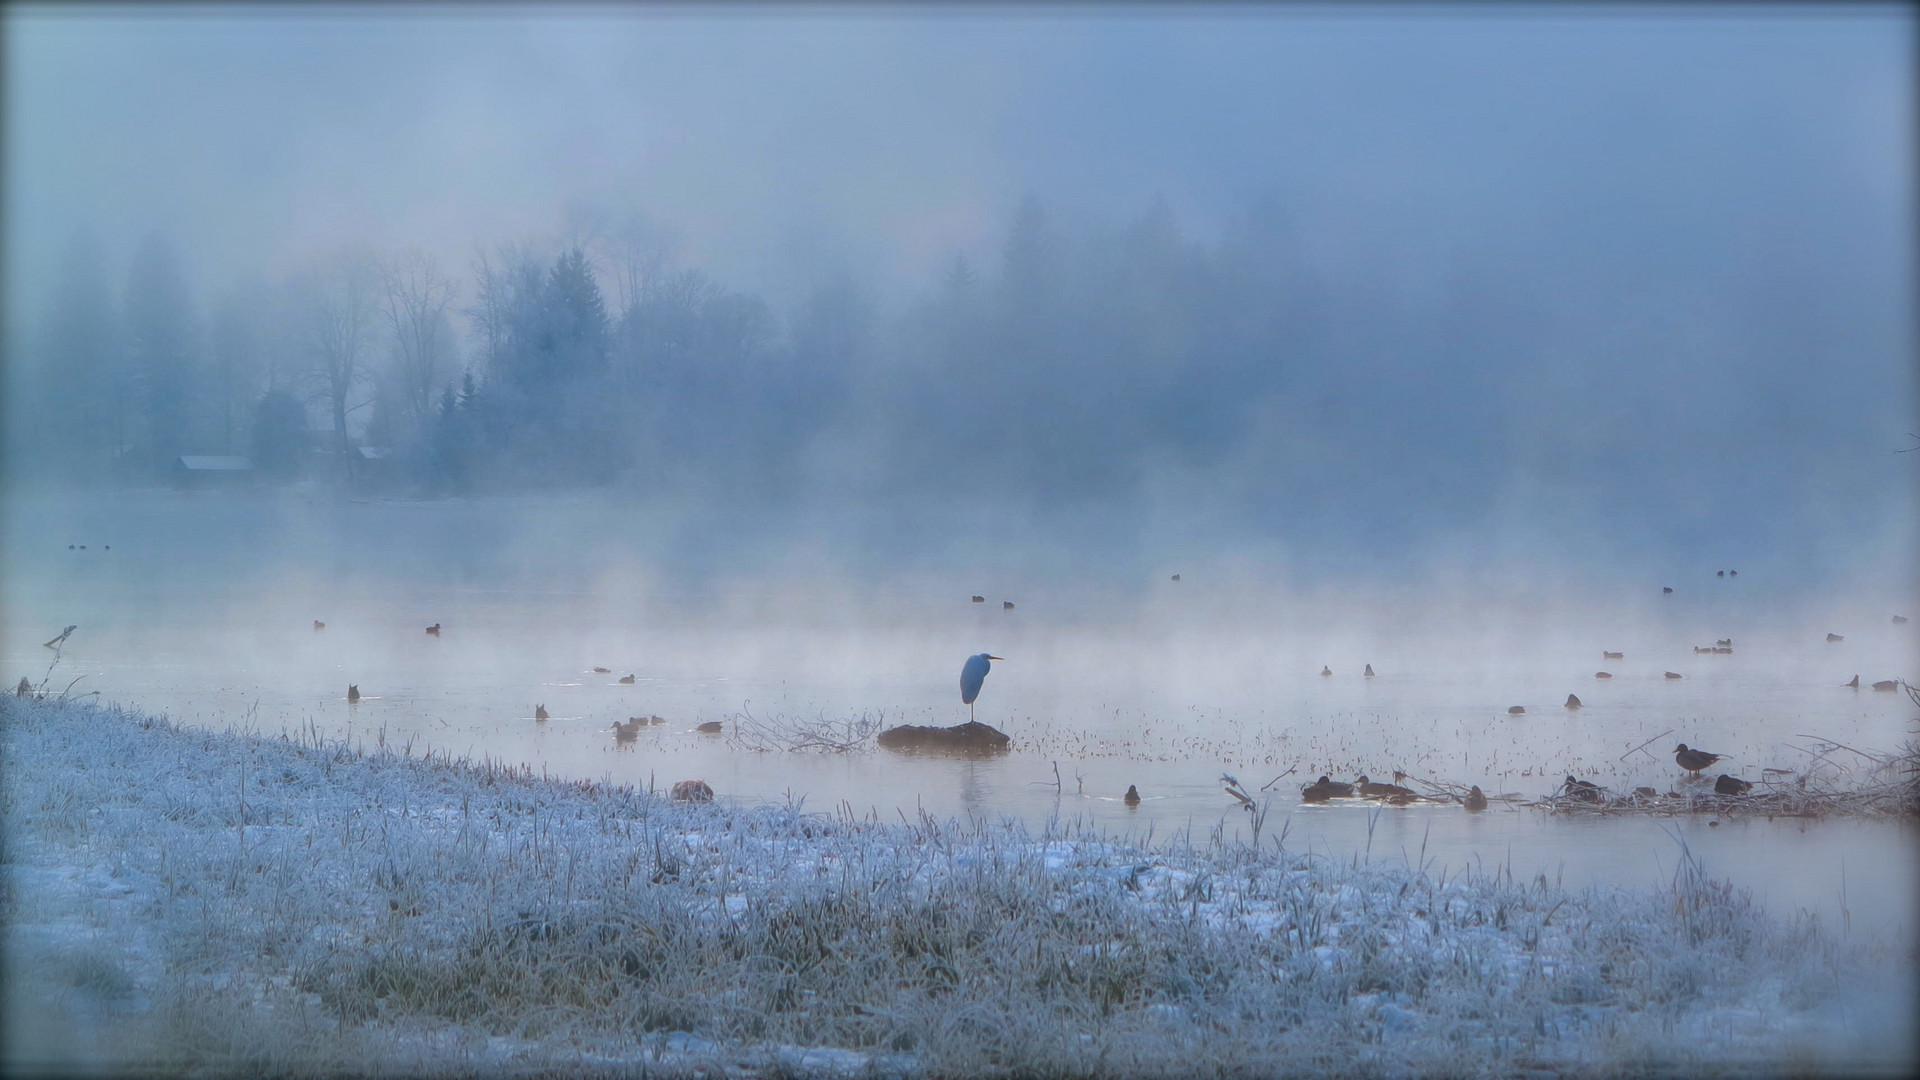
{"x": 1573, "y": 701}
{"x": 539, "y": 712}
{"x": 1646, "y": 792}
{"x": 628, "y": 730}
{"x": 1605, "y": 655}
{"x": 1603, "y": 674}
{"x": 1516, "y": 710}
{"x": 626, "y": 680}
{"x": 711, "y": 727}
{"x": 657, "y": 719}
{"x": 1726, "y": 642}
{"x": 1326, "y": 670}
{"x": 1723, "y": 651}
{"x": 1899, "y": 620}
{"x": 1377, "y": 791}
{"x": 1673, "y": 675}
{"x": 434, "y": 629}
{"x": 1666, "y": 589}
{"x": 1852, "y": 684}
{"x": 979, "y": 599}
{"x": 1132, "y": 797}
{"x": 1731, "y": 785}
{"x": 1887, "y": 684}
{"x": 1326, "y": 788}
{"x": 1584, "y": 790}
{"x": 598, "y": 670}
{"x": 353, "y": 695}
{"x": 1006, "y": 605}
{"x": 692, "y": 791}
{"x": 1834, "y": 637}
{"x": 1369, "y": 671}
{"x": 1694, "y": 760}
{"x": 318, "y": 626}
{"x": 1476, "y": 800}
{"x": 1176, "y": 577}
{"x": 1722, "y": 573}
{"x": 1733, "y": 573}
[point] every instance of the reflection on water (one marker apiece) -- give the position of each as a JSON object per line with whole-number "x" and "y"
{"x": 1160, "y": 685}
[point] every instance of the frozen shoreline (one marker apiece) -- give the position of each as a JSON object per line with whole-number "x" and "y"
{"x": 182, "y": 900}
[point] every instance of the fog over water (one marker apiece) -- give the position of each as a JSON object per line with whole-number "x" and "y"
{"x": 1439, "y": 341}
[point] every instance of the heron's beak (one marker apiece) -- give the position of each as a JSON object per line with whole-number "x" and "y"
{"x": 996, "y": 658}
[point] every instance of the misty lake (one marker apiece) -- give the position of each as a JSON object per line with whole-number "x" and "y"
{"x": 202, "y": 608}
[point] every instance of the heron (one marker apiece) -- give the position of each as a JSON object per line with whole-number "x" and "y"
{"x": 972, "y": 676}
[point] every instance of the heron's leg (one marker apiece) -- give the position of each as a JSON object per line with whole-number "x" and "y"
{"x": 969, "y": 712}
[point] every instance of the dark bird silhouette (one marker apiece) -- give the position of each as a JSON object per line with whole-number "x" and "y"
{"x": 658, "y": 719}
{"x": 1517, "y": 710}
{"x": 1476, "y": 799}
{"x": 630, "y": 730}
{"x": 434, "y": 629}
{"x": 1733, "y": 573}
{"x": 1379, "y": 791}
{"x": 1326, "y": 671}
{"x": 711, "y": 727}
{"x": 1835, "y": 637}
{"x": 1369, "y": 672}
{"x": 1573, "y": 701}
{"x": 1725, "y": 642}
{"x": 1584, "y": 790}
{"x": 353, "y": 695}
{"x": 1694, "y": 760}
{"x": 1132, "y": 797}
{"x": 1604, "y": 655}
{"x": 1666, "y": 588}
{"x": 1722, "y": 573}
{"x": 979, "y": 599}
{"x": 539, "y": 712}
{"x": 24, "y": 689}
{"x": 972, "y": 675}
{"x": 1732, "y": 785}
{"x": 1853, "y": 684}
{"x": 1646, "y": 792}
{"x": 1898, "y": 619}
{"x": 1006, "y": 605}
{"x": 1603, "y": 674}
{"x": 1176, "y": 577}
{"x": 626, "y": 680}
{"x": 1326, "y": 788}
{"x": 1673, "y": 675}
{"x": 598, "y": 670}
{"x": 1887, "y": 684}
{"x": 318, "y": 626}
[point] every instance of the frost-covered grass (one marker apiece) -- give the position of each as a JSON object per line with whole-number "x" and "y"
{"x": 187, "y": 901}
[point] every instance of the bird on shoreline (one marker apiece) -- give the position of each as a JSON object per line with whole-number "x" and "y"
{"x": 1694, "y": 760}
{"x": 711, "y": 727}
{"x": 1584, "y": 790}
{"x": 972, "y": 675}
{"x": 1731, "y": 785}
{"x": 1379, "y": 791}
{"x": 540, "y": 712}
{"x": 353, "y": 695}
{"x": 1476, "y": 799}
{"x": 1132, "y": 797}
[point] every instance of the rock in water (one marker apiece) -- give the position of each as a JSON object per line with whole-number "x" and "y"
{"x": 971, "y": 735}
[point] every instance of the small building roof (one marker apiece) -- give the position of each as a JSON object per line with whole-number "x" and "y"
{"x": 214, "y": 462}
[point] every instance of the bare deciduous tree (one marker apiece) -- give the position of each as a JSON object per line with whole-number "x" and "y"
{"x": 341, "y": 294}
{"x": 416, "y": 298}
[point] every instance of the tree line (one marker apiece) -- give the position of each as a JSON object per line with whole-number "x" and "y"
{"x": 1069, "y": 367}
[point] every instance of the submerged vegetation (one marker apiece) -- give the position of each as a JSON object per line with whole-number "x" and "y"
{"x": 234, "y": 904}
